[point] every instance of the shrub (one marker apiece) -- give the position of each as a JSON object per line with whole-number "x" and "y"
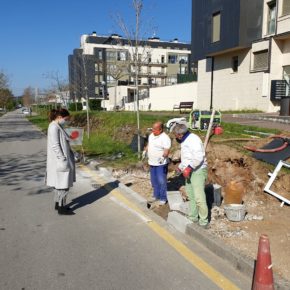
{"x": 75, "y": 107}
{"x": 95, "y": 105}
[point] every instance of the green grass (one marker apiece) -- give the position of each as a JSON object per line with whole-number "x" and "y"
{"x": 112, "y": 132}
{"x": 233, "y": 130}
{"x": 40, "y": 121}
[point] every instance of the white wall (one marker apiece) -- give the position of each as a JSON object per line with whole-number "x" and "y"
{"x": 164, "y": 98}
{"x": 233, "y": 90}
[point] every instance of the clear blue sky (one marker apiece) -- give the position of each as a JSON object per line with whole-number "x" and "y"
{"x": 36, "y": 36}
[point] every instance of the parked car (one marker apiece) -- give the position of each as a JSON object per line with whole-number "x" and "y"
{"x": 26, "y": 111}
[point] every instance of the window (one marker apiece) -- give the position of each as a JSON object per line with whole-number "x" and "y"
{"x": 111, "y": 55}
{"x": 149, "y": 57}
{"x": 172, "y": 58}
{"x": 271, "y": 17}
{"x": 121, "y": 55}
{"x": 99, "y": 67}
{"x": 216, "y": 27}
{"x": 100, "y": 54}
{"x": 260, "y": 60}
{"x": 286, "y": 7}
{"x": 183, "y": 59}
{"x": 110, "y": 79}
{"x": 235, "y": 63}
{"x": 286, "y": 77}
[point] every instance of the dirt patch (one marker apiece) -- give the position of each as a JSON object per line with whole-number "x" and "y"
{"x": 236, "y": 172}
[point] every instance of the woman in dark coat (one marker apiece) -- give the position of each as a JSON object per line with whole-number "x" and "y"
{"x": 60, "y": 171}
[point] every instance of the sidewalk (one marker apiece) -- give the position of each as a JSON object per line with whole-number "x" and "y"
{"x": 263, "y": 120}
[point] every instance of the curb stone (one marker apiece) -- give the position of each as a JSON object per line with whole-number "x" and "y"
{"x": 240, "y": 262}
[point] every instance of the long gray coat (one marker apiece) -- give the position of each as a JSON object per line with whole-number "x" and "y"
{"x": 60, "y": 170}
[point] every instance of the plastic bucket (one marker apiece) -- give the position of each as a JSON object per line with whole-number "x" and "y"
{"x": 235, "y": 212}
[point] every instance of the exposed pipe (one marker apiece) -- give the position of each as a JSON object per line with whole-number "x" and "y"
{"x": 272, "y": 150}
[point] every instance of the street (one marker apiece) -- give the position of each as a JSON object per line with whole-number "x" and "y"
{"x": 109, "y": 243}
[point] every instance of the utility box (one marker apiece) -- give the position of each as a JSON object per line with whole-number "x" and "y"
{"x": 199, "y": 120}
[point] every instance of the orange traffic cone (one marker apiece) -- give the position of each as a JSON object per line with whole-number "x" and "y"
{"x": 263, "y": 276}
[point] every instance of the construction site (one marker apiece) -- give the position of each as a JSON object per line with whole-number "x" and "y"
{"x": 235, "y": 177}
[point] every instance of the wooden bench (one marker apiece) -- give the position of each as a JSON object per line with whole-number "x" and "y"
{"x": 183, "y": 105}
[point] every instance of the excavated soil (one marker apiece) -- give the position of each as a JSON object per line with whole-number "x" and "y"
{"x": 243, "y": 179}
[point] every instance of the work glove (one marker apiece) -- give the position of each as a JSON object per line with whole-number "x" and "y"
{"x": 177, "y": 172}
{"x": 186, "y": 172}
{"x": 144, "y": 155}
{"x": 161, "y": 160}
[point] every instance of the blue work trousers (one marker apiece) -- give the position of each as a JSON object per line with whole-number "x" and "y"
{"x": 158, "y": 175}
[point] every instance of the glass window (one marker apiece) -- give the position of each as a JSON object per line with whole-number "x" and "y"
{"x": 286, "y": 7}
{"x": 110, "y": 79}
{"x": 172, "y": 58}
{"x": 182, "y": 59}
{"x": 111, "y": 55}
{"x": 261, "y": 60}
{"x": 100, "y": 54}
{"x": 121, "y": 55}
{"x": 286, "y": 77}
{"x": 271, "y": 17}
{"x": 216, "y": 27}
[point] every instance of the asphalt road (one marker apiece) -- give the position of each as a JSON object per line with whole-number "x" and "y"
{"x": 257, "y": 121}
{"x": 107, "y": 244}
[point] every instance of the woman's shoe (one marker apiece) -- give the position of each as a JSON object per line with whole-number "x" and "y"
{"x": 64, "y": 211}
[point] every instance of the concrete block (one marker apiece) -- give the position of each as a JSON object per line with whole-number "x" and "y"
{"x": 178, "y": 221}
{"x": 184, "y": 208}
{"x": 174, "y": 199}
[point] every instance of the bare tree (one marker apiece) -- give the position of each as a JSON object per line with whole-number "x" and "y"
{"x": 4, "y": 80}
{"x": 139, "y": 54}
{"x": 117, "y": 70}
{"x": 27, "y": 97}
{"x": 58, "y": 85}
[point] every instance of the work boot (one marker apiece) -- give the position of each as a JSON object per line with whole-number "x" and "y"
{"x": 64, "y": 211}
{"x": 206, "y": 226}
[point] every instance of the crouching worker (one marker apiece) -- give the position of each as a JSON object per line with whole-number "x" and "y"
{"x": 60, "y": 170}
{"x": 193, "y": 166}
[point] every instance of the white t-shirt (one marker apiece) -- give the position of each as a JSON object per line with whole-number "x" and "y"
{"x": 156, "y": 146}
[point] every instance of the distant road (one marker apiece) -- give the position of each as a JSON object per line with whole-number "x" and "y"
{"x": 255, "y": 122}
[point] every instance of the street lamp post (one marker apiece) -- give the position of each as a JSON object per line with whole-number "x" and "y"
{"x": 180, "y": 63}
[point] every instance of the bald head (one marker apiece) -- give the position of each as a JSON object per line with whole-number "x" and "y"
{"x": 157, "y": 128}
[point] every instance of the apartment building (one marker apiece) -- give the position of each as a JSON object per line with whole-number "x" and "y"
{"x": 242, "y": 52}
{"x": 103, "y": 64}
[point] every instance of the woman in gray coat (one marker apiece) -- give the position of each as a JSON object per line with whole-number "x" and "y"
{"x": 60, "y": 171}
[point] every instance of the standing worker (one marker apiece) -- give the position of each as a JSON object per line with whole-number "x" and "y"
{"x": 60, "y": 171}
{"x": 158, "y": 149}
{"x": 193, "y": 166}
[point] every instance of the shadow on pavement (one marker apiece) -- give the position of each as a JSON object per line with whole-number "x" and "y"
{"x": 22, "y": 168}
{"x": 92, "y": 196}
